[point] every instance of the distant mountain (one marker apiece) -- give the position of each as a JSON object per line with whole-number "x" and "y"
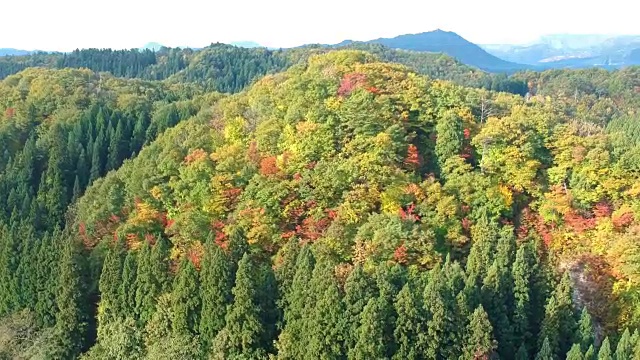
{"x": 246, "y": 44}
{"x": 449, "y": 43}
{"x": 14, "y": 52}
{"x": 572, "y": 51}
{"x": 152, "y": 46}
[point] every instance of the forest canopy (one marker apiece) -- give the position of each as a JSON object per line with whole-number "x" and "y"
{"x": 360, "y": 203}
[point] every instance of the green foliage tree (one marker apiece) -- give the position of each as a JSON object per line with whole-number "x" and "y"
{"x": 215, "y": 291}
{"x": 479, "y": 341}
{"x": 243, "y": 329}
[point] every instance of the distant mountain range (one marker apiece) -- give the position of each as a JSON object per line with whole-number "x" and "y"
{"x": 450, "y": 43}
{"x": 14, "y": 52}
{"x": 552, "y": 51}
{"x": 573, "y": 51}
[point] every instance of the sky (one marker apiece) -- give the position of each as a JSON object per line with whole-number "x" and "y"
{"x": 64, "y": 25}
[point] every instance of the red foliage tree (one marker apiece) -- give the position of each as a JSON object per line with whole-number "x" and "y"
{"x": 350, "y": 82}
{"x": 413, "y": 157}
{"x": 268, "y": 166}
{"x": 400, "y": 254}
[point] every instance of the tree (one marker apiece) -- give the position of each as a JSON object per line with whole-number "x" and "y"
{"x": 575, "y": 353}
{"x": 409, "y": 328}
{"x": 450, "y": 137}
{"x": 242, "y": 334}
{"x": 479, "y": 342}
{"x": 71, "y": 301}
{"x": 585, "y": 330}
{"x": 605, "y": 350}
{"x": 325, "y": 328}
{"x": 495, "y": 292}
{"x": 522, "y": 277}
{"x": 545, "y": 352}
{"x": 291, "y": 344}
{"x": 590, "y": 354}
{"x": 370, "y": 343}
{"x": 145, "y": 285}
{"x": 559, "y": 324}
{"x": 109, "y": 283}
{"x": 127, "y": 288}
{"x": 522, "y": 353}
{"x": 215, "y": 291}
{"x": 186, "y": 299}
{"x": 624, "y": 350}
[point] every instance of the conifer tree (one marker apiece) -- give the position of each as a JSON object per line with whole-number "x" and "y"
{"x": 291, "y": 344}
{"x": 127, "y": 288}
{"x": 146, "y": 290}
{"x": 185, "y": 299}
{"x": 522, "y": 353}
{"x": 71, "y": 301}
{"x": 359, "y": 288}
{"x": 494, "y": 298}
{"x": 285, "y": 269}
{"x": 215, "y": 291}
{"x": 624, "y": 350}
{"x": 590, "y": 354}
{"x": 545, "y": 352}
{"x": 585, "y": 334}
{"x": 243, "y": 331}
{"x": 522, "y": 276}
{"x": 409, "y": 325}
{"x": 47, "y": 285}
{"x": 109, "y": 283}
{"x": 605, "y": 350}
{"x": 479, "y": 342}
{"x": 371, "y": 338}
{"x": 575, "y": 353}
{"x": 325, "y": 328}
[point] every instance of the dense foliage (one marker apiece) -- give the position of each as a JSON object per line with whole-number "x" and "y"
{"x": 345, "y": 208}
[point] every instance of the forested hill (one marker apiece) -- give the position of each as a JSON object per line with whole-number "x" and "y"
{"x": 227, "y": 68}
{"x": 346, "y": 207}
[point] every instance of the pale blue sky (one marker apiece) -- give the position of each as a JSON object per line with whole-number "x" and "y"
{"x": 68, "y": 24}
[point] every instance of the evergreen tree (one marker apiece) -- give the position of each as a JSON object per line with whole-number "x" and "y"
{"x": 479, "y": 342}
{"x": 585, "y": 334}
{"x": 325, "y": 327}
{"x": 47, "y": 285}
{"x": 371, "y": 343}
{"x": 109, "y": 283}
{"x": 624, "y": 350}
{"x": 215, "y": 291}
{"x": 291, "y": 345}
{"x": 242, "y": 334}
{"x": 545, "y": 353}
{"x": 522, "y": 276}
{"x": 71, "y": 316}
{"x": 146, "y": 290}
{"x": 575, "y": 353}
{"x": 359, "y": 288}
{"x": 186, "y": 299}
{"x": 590, "y": 354}
{"x": 410, "y": 322}
{"x": 559, "y": 323}
{"x": 522, "y": 353}
{"x": 127, "y": 288}
{"x": 605, "y": 350}
{"x": 494, "y": 297}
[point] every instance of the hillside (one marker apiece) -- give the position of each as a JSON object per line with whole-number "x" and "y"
{"x": 452, "y": 44}
{"x": 336, "y": 205}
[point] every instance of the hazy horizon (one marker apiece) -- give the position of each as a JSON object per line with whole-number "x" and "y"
{"x": 69, "y": 24}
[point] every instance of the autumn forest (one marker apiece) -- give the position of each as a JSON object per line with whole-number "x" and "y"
{"x": 356, "y": 202}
